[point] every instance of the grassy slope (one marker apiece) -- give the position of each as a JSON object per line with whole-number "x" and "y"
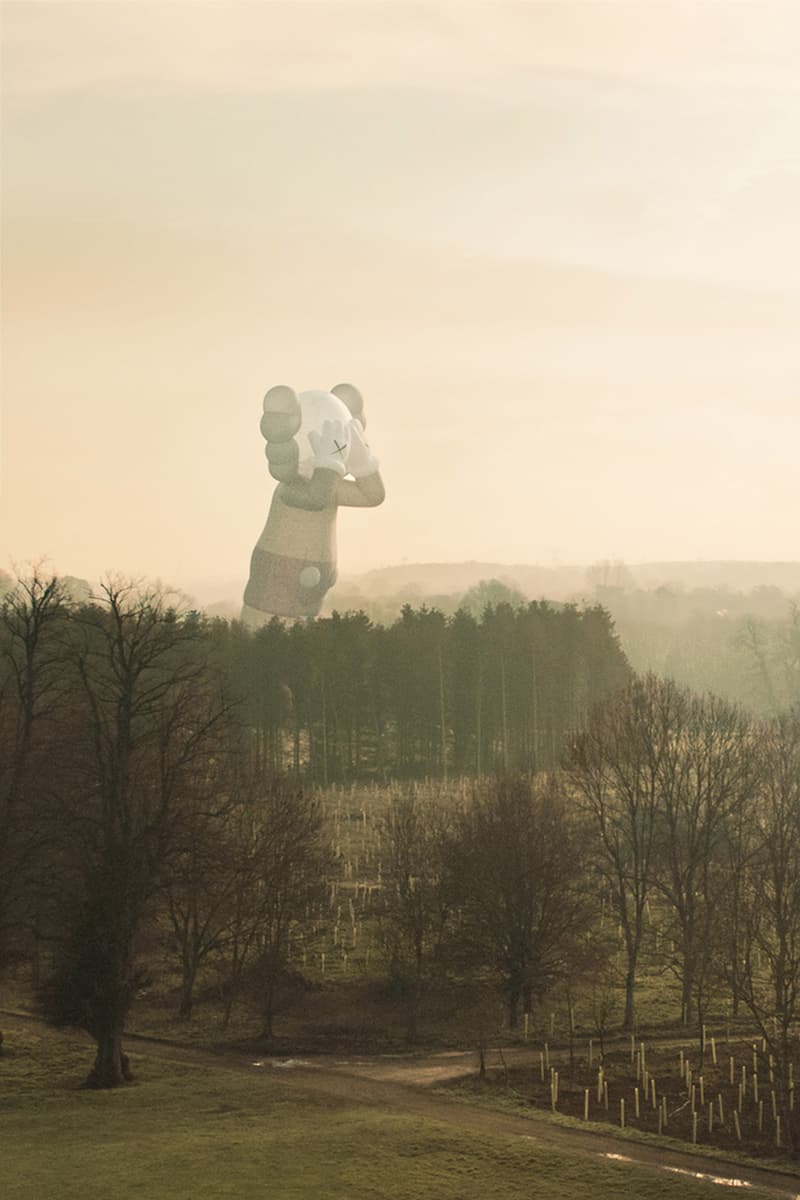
{"x": 203, "y": 1133}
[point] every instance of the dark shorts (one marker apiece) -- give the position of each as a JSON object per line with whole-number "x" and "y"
{"x": 287, "y": 587}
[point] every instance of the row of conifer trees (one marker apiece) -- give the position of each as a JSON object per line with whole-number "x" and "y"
{"x": 341, "y": 698}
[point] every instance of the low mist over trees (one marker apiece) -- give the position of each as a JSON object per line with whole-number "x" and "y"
{"x": 744, "y": 647}
{"x": 731, "y": 628}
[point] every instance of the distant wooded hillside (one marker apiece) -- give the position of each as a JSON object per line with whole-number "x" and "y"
{"x": 561, "y": 582}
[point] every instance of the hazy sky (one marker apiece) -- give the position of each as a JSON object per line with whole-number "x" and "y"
{"x": 556, "y": 245}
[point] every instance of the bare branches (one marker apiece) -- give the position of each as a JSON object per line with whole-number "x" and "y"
{"x": 33, "y": 615}
{"x": 152, "y": 723}
{"x": 615, "y": 767}
{"x": 517, "y": 862}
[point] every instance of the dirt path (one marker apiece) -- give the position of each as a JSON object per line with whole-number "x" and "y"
{"x": 403, "y": 1085}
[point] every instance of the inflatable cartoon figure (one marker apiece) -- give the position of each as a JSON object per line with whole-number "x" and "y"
{"x": 317, "y": 451}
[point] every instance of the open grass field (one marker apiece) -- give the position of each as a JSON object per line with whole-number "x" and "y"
{"x": 186, "y": 1131}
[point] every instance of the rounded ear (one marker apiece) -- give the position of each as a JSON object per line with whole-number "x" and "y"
{"x": 282, "y": 415}
{"x": 352, "y": 397}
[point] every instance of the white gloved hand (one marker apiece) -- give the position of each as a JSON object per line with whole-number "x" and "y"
{"x": 362, "y": 461}
{"x": 330, "y": 446}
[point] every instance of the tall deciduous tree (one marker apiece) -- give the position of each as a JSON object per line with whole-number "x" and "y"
{"x": 517, "y": 861}
{"x": 199, "y": 891}
{"x": 705, "y": 781}
{"x": 150, "y": 731}
{"x": 768, "y": 976}
{"x": 614, "y": 766}
{"x": 283, "y": 861}
{"x": 416, "y": 903}
{"x": 33, "y": 615}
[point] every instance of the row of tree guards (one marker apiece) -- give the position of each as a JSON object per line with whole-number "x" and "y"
{"x": 708, "y": 1109}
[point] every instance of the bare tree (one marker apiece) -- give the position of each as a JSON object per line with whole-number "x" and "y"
{"x": 288, "y": 858}
{"x": 415, "y": 900}
{"x": 33, "y": 613}
{"x": 615, "y": 766}
{"x": 518, "y": 867}
{"x": 278, "y": 861}
{"x": 199, "y": 893}
{"x": 151, "y": 724}
{"x": 705, "y": 782}
{"x": 769, "y": 974}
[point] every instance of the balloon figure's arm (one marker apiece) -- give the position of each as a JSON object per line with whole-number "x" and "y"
{"x": 368, "y": 492}
{"x": 312, "y": 494}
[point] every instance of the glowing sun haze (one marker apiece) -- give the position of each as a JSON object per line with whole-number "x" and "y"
{"x": 555, "y": 245}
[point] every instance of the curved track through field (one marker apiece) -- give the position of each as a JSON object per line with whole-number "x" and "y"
{"x": 404, "y": 1084}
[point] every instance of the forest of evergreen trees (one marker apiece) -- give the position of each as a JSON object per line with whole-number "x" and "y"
{"x": 340, "y": 698}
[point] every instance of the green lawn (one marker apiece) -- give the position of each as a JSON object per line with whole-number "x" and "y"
{"x": 201, "y": 1134}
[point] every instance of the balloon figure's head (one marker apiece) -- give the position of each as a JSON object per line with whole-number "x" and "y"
{"x": 292, "y": 421}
